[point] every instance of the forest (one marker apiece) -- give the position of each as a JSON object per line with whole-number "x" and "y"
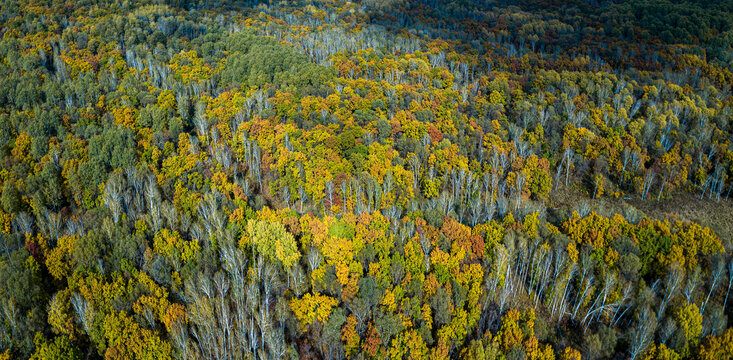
{"x": 366, "y": 179}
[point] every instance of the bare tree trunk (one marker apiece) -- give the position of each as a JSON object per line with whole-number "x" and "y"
{"x": 641, "y": 336}
{"x": 730, "y": 281}
{"x": 664, "y": 182}
{"x": 717, "y": 272}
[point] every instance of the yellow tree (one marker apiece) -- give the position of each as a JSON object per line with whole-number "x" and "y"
{"x": 273, "y": 241}
{"x": 312, "y": 307}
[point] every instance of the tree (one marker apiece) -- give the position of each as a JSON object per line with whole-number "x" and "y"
{"x": 330, "y": 340}
{"x": 126, "y": 339}
{"x": 20, "y": 290}
{"x": 58, "y": 349}
{"x": 641, "y": 335}
{"x": 313, "y": 307}
{"x": 273, "y": 241}
{"x": 11, "y": 200}
{"x": 689, "y": 320}
{"x": 717, "y": 347}
{"x": 570, "y": 354}
{"x": 661, "y": 352}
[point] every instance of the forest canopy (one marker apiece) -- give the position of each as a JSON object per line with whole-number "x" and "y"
{"x": 369, "y": 179}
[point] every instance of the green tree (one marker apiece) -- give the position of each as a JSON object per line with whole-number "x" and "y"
{"x": 60, "y": 348}
{"x": 11, "y": 198}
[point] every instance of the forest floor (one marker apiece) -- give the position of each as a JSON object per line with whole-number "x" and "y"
{"x": 681, "y": 206}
